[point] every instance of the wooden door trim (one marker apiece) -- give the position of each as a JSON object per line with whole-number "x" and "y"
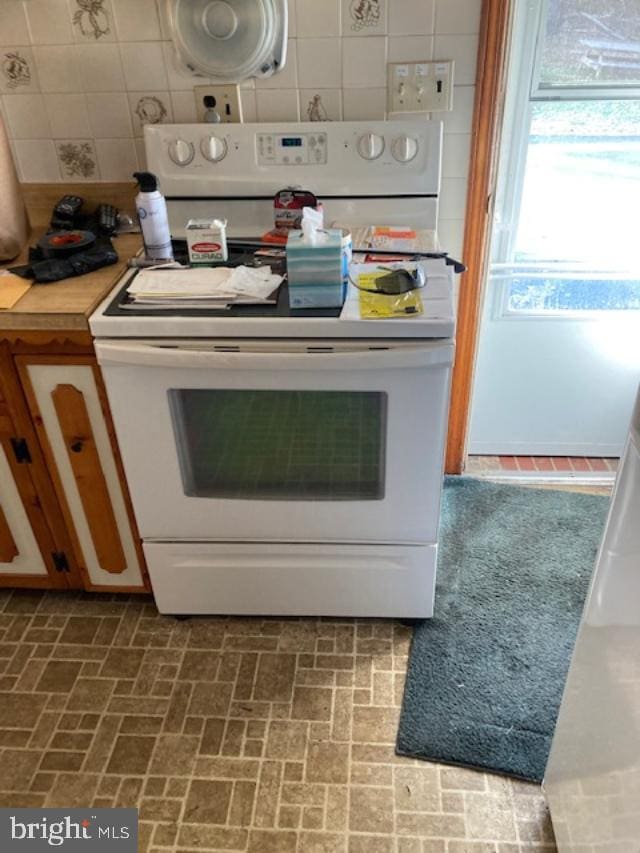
{"x": 8, "y": 548}
{"x": 35, "y": 488}
{"x": 486, "y": 130}
{"x": 86, "y": 465}
{"x": 23, "y": 362}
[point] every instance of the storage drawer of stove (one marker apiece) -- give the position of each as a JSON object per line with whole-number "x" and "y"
{"x": 293, "y": 579}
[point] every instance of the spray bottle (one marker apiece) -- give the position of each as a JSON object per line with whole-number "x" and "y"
{"x": 152, "y": 212}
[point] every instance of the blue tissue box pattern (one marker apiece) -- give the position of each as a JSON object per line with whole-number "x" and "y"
{"x": 317, "y": 273}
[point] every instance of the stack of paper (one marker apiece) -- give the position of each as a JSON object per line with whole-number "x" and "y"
{"x": 202, "y": 287}
{"x": 392, "y": 238}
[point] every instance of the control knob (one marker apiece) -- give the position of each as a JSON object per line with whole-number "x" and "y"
{"x": 181, "y": 152}
{"x": 404, "y": 148}
{"x": 370, "y": 146}
{"x": 213, "y": 148}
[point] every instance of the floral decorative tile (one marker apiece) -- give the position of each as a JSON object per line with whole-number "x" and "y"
{"x": 320, "y": 105}
{"x": 364, "y": 18}
{"x": 149, "y": 108}
{"x": 92, "y": 20}
{"x": 17, "y": 70}
{"x": 77, "y": 158}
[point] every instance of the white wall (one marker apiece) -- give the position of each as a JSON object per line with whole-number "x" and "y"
{"x": 71, "y": 96}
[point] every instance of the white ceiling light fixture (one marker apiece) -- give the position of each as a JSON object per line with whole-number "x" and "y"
{"x": 230, "y": 40}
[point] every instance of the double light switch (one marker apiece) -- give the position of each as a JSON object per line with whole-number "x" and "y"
{"x": 420, "y": 87}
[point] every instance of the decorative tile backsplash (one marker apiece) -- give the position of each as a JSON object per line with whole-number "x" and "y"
{"x": 79, "y": 79}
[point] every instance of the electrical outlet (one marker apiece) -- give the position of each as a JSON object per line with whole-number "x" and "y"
{"x": 223, "y": 101}
{"x": 419, "y": 87}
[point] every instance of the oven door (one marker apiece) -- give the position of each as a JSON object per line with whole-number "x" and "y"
{"x": 281, "y": 441}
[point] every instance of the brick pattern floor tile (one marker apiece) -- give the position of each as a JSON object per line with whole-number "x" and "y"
{"x": 493, "y": 465}
{"x": 235, "y": 734}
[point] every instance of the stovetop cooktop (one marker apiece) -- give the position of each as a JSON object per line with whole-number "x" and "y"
{"x": 238, "y": 255}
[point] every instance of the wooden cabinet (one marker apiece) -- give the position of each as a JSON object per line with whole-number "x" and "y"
{"x": 65, "y": 514}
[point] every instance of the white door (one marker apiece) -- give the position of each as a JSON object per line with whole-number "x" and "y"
{"x": 559, "y": 353}
{"x": 275, "y": 441}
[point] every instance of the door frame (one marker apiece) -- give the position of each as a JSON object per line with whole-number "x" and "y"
{"x": 492, "y": 63}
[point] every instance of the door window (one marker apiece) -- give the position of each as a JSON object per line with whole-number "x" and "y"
{"x": 567, "y": 210}
{"x": 281, "y": 445}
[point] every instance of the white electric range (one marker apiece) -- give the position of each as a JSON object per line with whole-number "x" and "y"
{"x": 287, "y": 462}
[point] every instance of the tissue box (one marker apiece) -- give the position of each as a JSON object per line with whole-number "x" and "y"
{"x": 316, "y": 271}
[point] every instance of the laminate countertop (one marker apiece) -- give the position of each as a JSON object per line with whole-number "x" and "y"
{"x": 66, "y": 305}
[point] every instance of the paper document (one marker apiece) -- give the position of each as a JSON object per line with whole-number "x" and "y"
{"x": 207, "y": 287}
{"x": 392, "y": 238}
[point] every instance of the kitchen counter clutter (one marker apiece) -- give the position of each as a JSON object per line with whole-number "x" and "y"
{"x": 65, "y": 515}
{"x": 65, "y": 305}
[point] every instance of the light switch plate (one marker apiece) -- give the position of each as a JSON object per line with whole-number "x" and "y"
{"x": 226, "y": 102}
{"x": 419, "y": 87}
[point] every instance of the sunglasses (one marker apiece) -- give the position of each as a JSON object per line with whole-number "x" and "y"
{"x": 396, "y": 281}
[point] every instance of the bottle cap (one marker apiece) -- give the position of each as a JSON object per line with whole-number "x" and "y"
{"x": 147, "y": 181}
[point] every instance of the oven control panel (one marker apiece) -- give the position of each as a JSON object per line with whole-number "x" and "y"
{"x": 286, "y": 149}
{"x": 372, "y": 158}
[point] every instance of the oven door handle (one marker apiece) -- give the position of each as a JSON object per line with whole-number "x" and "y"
{"x": 117, "y": 353}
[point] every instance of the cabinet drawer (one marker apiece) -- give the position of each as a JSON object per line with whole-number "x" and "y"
{"x": 293, "y": 579}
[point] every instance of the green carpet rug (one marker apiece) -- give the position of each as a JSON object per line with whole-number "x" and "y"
{"x": 486, "y": 674}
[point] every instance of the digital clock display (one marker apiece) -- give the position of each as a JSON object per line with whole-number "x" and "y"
{"x": 291, "y": 141}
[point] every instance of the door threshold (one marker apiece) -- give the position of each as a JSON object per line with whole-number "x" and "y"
{"x": 577, "y": 478}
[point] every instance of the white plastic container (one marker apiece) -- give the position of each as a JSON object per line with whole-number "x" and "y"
{"x": 152, "y": 213}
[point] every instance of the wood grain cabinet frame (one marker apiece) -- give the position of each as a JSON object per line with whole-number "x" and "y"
{"x": 34, "y": 548}
{"x": 68, "y": 405}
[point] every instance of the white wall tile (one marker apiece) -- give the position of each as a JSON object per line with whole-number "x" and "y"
{"x": 328, "y": 107}
{"x": 451, "y": 236}
{"x": 411, "y": 17}
{"x": 180, "y": 78}
{"x": 455, "y": 155}
{"x": 13, "y": 22}
{"x": 117, "y": 158}
{"x": 315, "y": 18}
{"x": 464, "y": 50}
{"x": 26, "y": 116}
{"x": 109, "y": 115}
{"x": 249, "y": 107}
{"x": 37, "y": 160}
{"x": 92, "y": 26}
{"x": 288, "y": 77}
{"x": 136, "y": 20}
{"x": 58, "y": 69}
{"x": 68, "y": 116}
{"x": 292, "y": 24}
{"x": 183, "y": 107}
{"x": 453, "y": 195}
{"x": 363, "y": 104}
{"x": 364, "y": 62}
{"x": 366, "y": 19}
{"x": 409, "y": 48}
{"x": 18, "y": 72}
{"x": 150, "y": 108}
{"x": 319, "y": 63}
{"x": 77, "y": 160}
{"x": 460, "y": 118}
{"x": 99, "y": 67}
{"x": 143, "y": 66}
{"x": 458, "y": 16}
{"x": 277, "y": 105}
{"x": 141, "y": 153}
{"x": 49, "y": 21}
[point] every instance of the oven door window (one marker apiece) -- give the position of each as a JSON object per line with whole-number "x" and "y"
{"x": 281, "y": 445}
